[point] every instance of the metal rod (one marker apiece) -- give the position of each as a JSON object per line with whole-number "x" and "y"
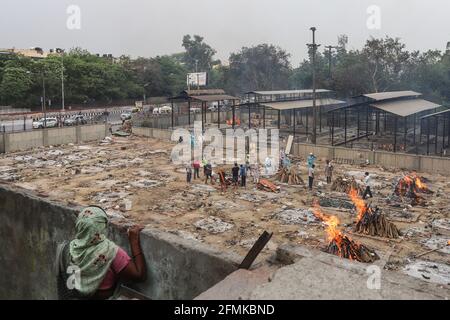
{"x": 332, "y": 128}
{"x": 218, "y": 114}
{"x": 406, "y": 133}
{"x": 279, "y": 119}
{"x": 436, "y": 122}
{"x": 395, "y": 133}
{"x": 428, "y": 135}
{"x": 171, "y": 101}
{"x": 345, "y": 126}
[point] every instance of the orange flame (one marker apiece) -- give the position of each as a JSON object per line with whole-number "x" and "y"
{"x": 419, "y": 184}
{"x": 359, "y": 203}
{"x": 332, "y": 223}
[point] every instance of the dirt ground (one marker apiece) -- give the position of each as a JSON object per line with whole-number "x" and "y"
{"x": 133, "y": 179}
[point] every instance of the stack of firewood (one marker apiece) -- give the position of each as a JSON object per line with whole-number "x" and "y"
{"x": 374, "y": 223}
{"x": 290, "y": 176}
{"x": 344, "y": 247}
{"x": 344, "y": 185}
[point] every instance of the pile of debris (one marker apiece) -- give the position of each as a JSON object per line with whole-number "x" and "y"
{"x": 290, "y": 176}
{"x": 344, "y": 185}
{"x": 371, "y": 221}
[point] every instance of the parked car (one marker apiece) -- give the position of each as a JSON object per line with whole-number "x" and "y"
{"x": 162, "y": 110}
{"x": 45, "y": 122}
{"x": 126, "y": 116}
{"x": 75, "y": 120}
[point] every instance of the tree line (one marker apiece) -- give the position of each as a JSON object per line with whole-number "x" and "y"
{"x": 381, "y": 65}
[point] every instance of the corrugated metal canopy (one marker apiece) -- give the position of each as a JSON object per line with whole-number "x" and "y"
{"x": 280, "y": 92}
{"x": 440, "y": 113}
{"x": 202, "y": 92}
{"x": 391, "y": 95}
{"x": 405, "y": 108}
{"x": 209, "y": 98}
{"x": 300, "y": 104}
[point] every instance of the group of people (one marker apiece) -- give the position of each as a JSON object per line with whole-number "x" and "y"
{"x": 367, "y": 180}
{"x": 239, "y": 173}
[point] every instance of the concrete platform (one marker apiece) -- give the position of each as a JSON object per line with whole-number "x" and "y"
{"x": 315, "y": 275}
{"x": 238, "y": 284}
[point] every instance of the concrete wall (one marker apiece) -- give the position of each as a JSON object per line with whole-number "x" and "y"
{"x": 31, "y": 228}
{"x": 383, "y": 158}
{"x": 11, "y": 142}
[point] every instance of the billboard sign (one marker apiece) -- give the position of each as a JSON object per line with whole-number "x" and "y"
{"x": 197, "y": 79}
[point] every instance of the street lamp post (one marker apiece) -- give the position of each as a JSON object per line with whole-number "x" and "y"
{"x": 61, "y": 51}
{"x": 314, "y": 47}
{"x": 44, "y": 109}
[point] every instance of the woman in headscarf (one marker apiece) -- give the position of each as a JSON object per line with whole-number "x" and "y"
{"x": 93, "y": 267}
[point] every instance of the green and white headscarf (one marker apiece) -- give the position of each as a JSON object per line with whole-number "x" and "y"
{"x": 91, "y": 251}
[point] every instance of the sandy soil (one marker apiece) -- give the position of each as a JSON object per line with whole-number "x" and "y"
{"x": 133, "y": 178}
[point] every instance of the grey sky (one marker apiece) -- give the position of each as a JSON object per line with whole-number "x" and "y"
{"x": 156, "y": 27}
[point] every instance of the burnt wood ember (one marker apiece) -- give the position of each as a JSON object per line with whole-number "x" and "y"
{"x": 344, "y": 247}
{"x": 374, "y": 223}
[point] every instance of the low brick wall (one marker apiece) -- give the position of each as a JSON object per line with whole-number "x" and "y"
{"x": 31, "y": 228}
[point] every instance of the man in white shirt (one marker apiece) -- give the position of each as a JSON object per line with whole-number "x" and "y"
{"x": 367, "y": 183}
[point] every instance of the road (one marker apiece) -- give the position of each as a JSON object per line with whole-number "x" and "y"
{"x": 21, "y": 123}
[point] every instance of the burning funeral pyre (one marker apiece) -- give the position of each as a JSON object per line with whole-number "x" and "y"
{"x": 371, "y": 221}
{"x": 340, "y": 244}
{"x": 410, "y": 186}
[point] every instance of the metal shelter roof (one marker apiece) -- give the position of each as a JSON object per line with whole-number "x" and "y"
{"x": 299, "y": 104}
{"x": 209, "y": 98}
{"x": 440, "y": 113}
{"x": 405, "y": 108}
{"x": 391, "y": 95}
{"x": 282, "y": 92}
{"x": 203, "y": 92}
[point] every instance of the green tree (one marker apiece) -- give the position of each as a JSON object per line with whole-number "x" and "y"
{"x": 262, "y": 67}
{"x": 198, "y": 54}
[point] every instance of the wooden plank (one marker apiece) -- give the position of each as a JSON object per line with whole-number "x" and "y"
{"x": 255, "y": 250}
{"x": 289, "y": 145}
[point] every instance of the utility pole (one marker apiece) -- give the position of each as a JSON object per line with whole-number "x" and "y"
{"x": 62, "y": 80}
{"x": 329, "y": 59}
{"x": 314, "y": 47}
{"x": 44, "y": 110}
{"x": 196, "y": 71}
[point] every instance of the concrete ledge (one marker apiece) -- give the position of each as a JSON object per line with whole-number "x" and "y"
{"x": 316, "y": 275}
{"x": 32, "y": 227}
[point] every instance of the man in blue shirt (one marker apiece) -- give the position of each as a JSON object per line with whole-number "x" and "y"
{"x": 243, "y": 174}
{"x": 311, "y": 159}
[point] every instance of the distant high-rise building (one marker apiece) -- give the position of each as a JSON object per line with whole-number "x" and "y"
{"x": 448, "y": 47}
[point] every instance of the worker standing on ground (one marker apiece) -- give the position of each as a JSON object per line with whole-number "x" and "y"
{"x": 329, "y": 171}
{"x": 367, "y": 183}
{"x": 256, "y": 173}
{"x": 196, "y": 166}
{"x": 208, "y": 173}
{"x": 235, "y": 172}
{"x": 311, "y": 176}
{"x": 311, "y": 159}
{"x": 188, "y": 173}
{"x": 243, "y": 174}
